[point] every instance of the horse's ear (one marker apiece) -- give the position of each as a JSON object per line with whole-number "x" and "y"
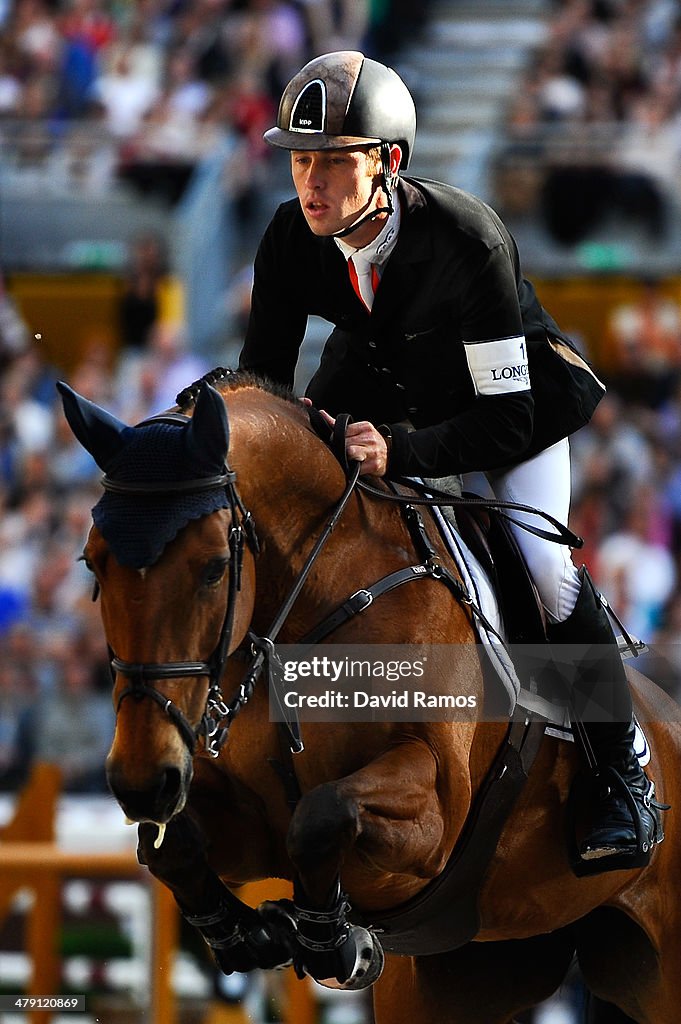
{"x": 208, "y": 431}
{"x": 98, "y": 431}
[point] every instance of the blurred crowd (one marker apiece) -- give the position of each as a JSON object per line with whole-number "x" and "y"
{"x": 92, "y": 90}
{"x": 594, "y": 130}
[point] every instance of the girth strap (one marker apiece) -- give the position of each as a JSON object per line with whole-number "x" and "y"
{"x": 445, "y": 914}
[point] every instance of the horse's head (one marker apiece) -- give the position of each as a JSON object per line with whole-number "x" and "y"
{"x": 176, "y": 583}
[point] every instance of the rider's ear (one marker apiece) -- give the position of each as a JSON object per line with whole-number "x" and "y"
{"x": 98, "y": 431}
{"x": 207, "y": 435}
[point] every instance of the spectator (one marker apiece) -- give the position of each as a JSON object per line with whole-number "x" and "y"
{"x": 636, "y": 572}
{"x": 125, "y": 94}
{"x": 70, "y": 465}
{"x": 663, "y": 664}
{"x": 31, "y": 423}
{"x": 612, "y": 453}
{"x": 607, "y": 75}
{"x": 139, "y": 306}
{"x": 644, "y": 337}
{"x": 336, "y": 26}
{"x": 10, "y": 79}
{"x": 14, "y": 334}
{"x": 270, "y": 37}
{"x": 36, "y": 34}
{"x": 17, "y": 691}
{"x": 72, "y": 727}
{"x": 167, "y": 365}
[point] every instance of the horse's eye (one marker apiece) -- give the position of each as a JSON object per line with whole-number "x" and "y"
{"x": 214, "y": 571}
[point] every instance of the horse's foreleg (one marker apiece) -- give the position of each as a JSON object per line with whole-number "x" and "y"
{"x": 387, "y": 816}
{"x": 389, "y": 813}
{"x": 241, "y": 938}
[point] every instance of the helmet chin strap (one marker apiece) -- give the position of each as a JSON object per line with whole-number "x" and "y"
{"x": 388, "y": 180}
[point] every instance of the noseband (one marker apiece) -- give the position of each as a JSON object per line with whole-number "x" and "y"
{"x": 142, "y": 674}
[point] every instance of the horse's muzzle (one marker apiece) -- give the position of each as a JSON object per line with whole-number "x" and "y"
{"x": 159, "y": 800}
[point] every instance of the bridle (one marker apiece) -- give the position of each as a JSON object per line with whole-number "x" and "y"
{"x": 141, "y": 674}
{"x": 218, "y": 714}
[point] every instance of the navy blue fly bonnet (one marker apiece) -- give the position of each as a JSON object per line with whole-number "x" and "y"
{"x": 137, "y": 526}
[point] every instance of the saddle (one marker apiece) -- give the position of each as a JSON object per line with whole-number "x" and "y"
{"x": 488, "y": 536}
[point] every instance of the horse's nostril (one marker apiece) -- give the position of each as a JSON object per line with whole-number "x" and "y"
{"x": 171, "y": 784}
{"x": 156, "y": 802}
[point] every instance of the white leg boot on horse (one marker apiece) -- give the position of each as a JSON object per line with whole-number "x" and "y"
{"x": 626, "y": 820}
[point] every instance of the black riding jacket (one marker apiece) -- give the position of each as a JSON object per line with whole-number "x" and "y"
{"x": 443, "y": 347}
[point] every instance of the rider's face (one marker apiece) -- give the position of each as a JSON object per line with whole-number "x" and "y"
{"x": 336, "y": 187}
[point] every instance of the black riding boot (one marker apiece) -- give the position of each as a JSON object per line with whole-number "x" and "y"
{"x": 626, "y": 821}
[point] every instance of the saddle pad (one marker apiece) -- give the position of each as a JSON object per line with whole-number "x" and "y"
{"x": 493, "y": 639}
{"x": 478, "y": 585}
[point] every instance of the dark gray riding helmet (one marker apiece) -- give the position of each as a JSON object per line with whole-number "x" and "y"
{"x": 345, "y": 99}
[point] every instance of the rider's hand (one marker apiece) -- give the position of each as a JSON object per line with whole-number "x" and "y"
{"x": 364, "y": 444}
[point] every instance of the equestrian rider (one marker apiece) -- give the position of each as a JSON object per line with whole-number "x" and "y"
{"x": 440, "y": 342}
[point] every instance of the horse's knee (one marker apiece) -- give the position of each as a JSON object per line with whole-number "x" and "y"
{"x": 324, "y": 823}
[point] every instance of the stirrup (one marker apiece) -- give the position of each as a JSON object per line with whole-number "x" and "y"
{"x": 639, "y": 856}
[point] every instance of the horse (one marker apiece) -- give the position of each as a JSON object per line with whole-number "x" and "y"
{"x": 201, "y": 554}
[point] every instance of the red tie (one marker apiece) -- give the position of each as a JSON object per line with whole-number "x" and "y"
{"x": 366, "y": 284}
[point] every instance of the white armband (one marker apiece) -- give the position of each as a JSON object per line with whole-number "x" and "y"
{"x": 498, "y": 367}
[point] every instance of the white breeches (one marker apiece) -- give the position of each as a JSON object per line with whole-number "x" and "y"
{"x": 544, "y": 483}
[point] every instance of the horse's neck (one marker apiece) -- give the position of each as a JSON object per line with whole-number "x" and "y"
{"x": 283, "y": 472}
{"x": 291, "y": 483}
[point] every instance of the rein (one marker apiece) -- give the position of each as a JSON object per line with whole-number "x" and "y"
{"x": 433, "y": 497}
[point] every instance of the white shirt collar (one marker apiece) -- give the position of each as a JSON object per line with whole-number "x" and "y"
{"x": 378, "y": 251}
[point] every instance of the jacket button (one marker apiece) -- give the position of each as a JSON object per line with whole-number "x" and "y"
{"x": 372, "y": 344}
{"x": 412, "y": 409}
